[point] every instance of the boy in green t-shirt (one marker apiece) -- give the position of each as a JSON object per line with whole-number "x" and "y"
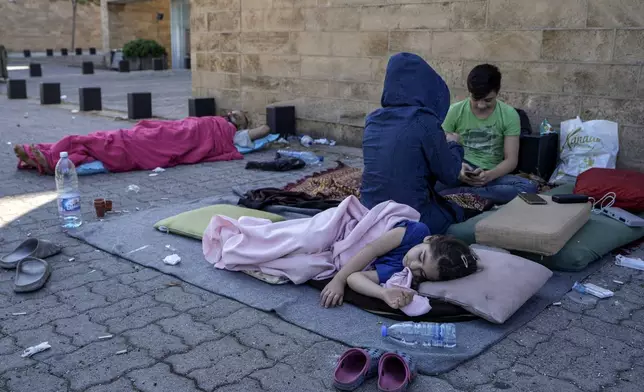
{"x": 489, "y": 131}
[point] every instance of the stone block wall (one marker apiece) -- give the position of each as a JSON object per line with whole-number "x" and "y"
{"x": 45, "y": 24}
{"x": 560, "y": 58}
{"x": 128, "y": 21}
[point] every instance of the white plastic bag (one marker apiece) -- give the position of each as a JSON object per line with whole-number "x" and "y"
{"x": 584, "y": 145}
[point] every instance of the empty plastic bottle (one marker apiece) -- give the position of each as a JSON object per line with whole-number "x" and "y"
{"x": 307, "y": 156}
{"x": 69, "y": 201}
{"x": 421, "y": 334}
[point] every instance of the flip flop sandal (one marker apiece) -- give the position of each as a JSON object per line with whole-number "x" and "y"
{"x": 395, "y": 372}
{"x": 31, "y": 275}
{"x": 355, "y": 366}
{"x": 32, "y": 247}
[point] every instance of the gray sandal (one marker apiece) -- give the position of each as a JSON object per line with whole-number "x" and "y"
{"x": 32, "y": 247}
{"x": 31, "y": 275}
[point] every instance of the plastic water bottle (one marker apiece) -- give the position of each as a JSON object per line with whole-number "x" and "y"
{"x": 307, "y": 156}
{"x": 421, "y": 334}
{"x": 69, "y": 201}
{"x": 306, "y": 141}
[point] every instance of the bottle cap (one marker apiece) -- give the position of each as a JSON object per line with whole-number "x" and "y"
{"x": 63, "y": 154}
{"x": 383, "y": 331}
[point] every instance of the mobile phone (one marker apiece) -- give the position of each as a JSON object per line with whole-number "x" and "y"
{"x": 532, "y": 198}
{"x": 569, "y": 199}
{"x": 470, "y": 174}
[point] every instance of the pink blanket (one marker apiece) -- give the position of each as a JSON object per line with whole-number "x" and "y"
{"x": 148, "y": 145}
{"x": 300, "y": 249}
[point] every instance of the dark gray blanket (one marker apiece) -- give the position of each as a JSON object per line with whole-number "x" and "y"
{"x": 123, "y": 235}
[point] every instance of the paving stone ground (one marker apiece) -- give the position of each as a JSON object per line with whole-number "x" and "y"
{"x": 182, "y": 338}
{"x": 170, "y": 89}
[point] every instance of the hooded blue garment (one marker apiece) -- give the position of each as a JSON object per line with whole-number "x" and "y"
{"x": 404, "y": 146}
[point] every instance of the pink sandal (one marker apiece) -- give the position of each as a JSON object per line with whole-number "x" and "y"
{"x": 396, "y": 371}
{"x": 355, "y": 366}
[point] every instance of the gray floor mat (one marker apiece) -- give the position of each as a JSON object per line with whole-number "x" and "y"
{"x": 126, "y": 235}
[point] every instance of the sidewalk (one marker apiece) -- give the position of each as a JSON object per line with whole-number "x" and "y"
{"x": 181, "y": 338}
{"x": 170, "y": 89}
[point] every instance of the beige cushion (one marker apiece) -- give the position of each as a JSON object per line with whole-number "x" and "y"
{"x": 540, "y": 229}
{"x": 503, "y": 283}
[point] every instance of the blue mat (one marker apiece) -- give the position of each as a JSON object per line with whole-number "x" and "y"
{"x": 97, "y": 167}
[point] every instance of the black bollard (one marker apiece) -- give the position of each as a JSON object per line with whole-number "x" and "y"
{"x": 202, "y": 107}
{"x": 17, "y": 89}
{"x": 35, "y": 70}
{"x": 49, "y": 93}
{"x": 50, "y": 52}
{"x": 63, "y": 52}
{"x": 186, "y": 63}
{"x": 158, "y": 64}
{"x": 281, "y": 119}
{"x": 88, "y": 67}
{"x": 79, "y": 51}
{"x": 92, "y": 51}
{"x": 124, "y": 66}
{"x": 139, "y": 105}
{"x": 90, "y": 99}
{"x": 27, "y": 52}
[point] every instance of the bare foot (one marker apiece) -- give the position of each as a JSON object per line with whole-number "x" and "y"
{"x": 40, "y": 158}
{"x": 22, "y": 155}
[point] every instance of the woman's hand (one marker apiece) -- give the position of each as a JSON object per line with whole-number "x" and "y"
{"x": 397, "y": 298}
{"x": 333, "y": 293}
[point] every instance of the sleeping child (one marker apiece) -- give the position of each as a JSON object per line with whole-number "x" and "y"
{"x": 408, "y": 245}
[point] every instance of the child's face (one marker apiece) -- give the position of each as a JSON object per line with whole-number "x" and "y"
{"x": 420, "y": 262}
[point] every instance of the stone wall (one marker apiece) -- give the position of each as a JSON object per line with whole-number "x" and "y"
{"x": 560, "y": 58}
{"x": 45, "y": 24}
{"x": 134, "y": 20}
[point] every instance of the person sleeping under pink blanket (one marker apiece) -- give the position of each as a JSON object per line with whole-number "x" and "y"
{"x": 357, "y": 246}
{"x": 147, "y": 145}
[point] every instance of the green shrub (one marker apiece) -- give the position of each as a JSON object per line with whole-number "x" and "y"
{"x": 143, "y": 48}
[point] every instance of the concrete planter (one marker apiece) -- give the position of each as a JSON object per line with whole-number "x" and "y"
{"x": 145, "y": 63}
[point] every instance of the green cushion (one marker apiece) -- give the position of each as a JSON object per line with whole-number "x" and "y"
{"x": 193, "y": 223}
{"x": 599, "y": 236}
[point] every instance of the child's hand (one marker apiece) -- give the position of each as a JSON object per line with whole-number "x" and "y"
{"x": 397, "y": 298}
{"x": 333, "y": 293}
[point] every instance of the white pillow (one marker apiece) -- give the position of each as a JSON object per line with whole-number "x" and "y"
{"x": 503, "y": 283}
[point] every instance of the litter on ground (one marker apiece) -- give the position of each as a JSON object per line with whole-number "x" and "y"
{"x": 137, "y": 249}
{"x": 29, "y": 351}
{"x": 172, "y": 259}
{"x": 630, "y": 262}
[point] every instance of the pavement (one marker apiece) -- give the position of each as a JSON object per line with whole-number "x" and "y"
{"x": 170, "y": 89}
{"x": 181, "y": 338}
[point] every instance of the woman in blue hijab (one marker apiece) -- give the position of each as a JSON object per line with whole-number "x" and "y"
{"x": 405, "y": 149}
